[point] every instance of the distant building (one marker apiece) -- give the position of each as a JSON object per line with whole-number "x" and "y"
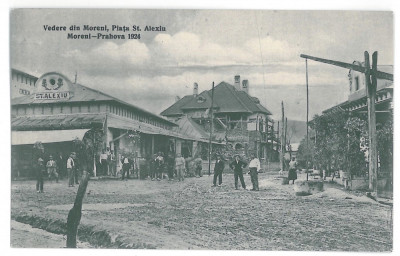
{"x": 240, "y": 120}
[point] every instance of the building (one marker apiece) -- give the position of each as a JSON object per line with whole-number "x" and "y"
{"x": 357, "y": 99}
{"x": 356, "y": 106}
{"x": 57, "y": 111}
{"x": 21, "y": 83}
{"x": 239, "y": 120}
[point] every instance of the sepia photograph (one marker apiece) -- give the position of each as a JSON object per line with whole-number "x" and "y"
{"x": 201, "y": 129}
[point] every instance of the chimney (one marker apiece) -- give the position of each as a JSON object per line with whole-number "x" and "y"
{"x": 237, "y": 82}
{"x": 245, "y": 86}
{"x": 195, "y": 89}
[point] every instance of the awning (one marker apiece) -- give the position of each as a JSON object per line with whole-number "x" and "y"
{"x": 50, "y": 136}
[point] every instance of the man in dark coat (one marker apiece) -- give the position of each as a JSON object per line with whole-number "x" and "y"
{"x": 40, "y": 171}
{"x": 219, "y": 167}
{"x": 237, "y": 165}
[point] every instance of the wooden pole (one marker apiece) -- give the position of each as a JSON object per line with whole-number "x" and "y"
{"x": 285, "y": 133}
{"x": 282, "y": 138}
{"x": 277, "y": 136}
{"x": 307, "y": 160}
{"x": 378, "y": 74}
{"x": 371, "y": 94}
{"x": 266, "y": 140}
{"x": 211, "y": 130}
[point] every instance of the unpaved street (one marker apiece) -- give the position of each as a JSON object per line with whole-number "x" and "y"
{"x": 194, "y": 215}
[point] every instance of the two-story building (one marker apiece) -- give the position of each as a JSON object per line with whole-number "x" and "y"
{"x": 239, "y": 120}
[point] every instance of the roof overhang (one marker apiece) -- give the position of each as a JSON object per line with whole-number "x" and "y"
{"x": 50, "y": 136}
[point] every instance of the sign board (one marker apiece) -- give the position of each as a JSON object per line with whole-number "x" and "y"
{"x": 53, "y": 86}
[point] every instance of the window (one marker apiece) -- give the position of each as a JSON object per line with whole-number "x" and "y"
{"x": 357, "y": 83}
{"x": 200, "y": 99}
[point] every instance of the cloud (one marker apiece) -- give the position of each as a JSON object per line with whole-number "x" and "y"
{"x": 271, "y": 49}
{"x": 110, "y": 57}
{"x": 186, "y": 49}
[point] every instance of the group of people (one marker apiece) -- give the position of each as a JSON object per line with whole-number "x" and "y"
{"x": 169, "y": 165}
{"x": 53, "y": 168}
{"x": 158, "y": 166}
{"x": 237, "y": 166}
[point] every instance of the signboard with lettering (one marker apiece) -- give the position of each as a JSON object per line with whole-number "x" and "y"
{"x": 53, "y": 86}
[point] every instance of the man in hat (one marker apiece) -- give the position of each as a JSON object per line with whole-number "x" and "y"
{"x": 219, "y": 167}
{"x": 39, "y": 172}
{"x": 51, "y": 166}
{"x": 237, "y": 165}
{"x": 71, "y": 169}
{"x": 254, "y": 167}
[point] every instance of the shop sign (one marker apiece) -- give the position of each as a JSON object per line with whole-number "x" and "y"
{"x": 52, "y": 95}
{"x": 53, "y": 86}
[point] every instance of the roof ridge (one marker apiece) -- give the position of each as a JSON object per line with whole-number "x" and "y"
{"x": 126, "y": 103}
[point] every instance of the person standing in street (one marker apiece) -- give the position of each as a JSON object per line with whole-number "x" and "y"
{"x": 39, "y": 172}
{"x": 113, "y": 164}
{"x": 218, "y": 169}
{"x": 180, "y": 166}
{"x": 103, "y": 163}
{"x": 153, "y": 166}
{"x": 61, "y": 164}
{"x": 254, "y": 167}
{"x": 237, "y": 165}
{"x": 159, "y": 166}
{"x": 51, "y": 166}
{"x": 292, "y": 170}
{"x": 125, "y": 167}
{"x": 71, "y": 169}
{"x": 170, "y": 166}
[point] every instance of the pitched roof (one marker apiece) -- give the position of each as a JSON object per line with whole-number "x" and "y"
{"x": 226, "y": 100}
{"x": 175, "y": 109}
{"x": 190, "y": 128}
{"x": 82, "y": 93}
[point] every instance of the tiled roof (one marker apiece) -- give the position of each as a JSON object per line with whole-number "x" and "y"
{"x": 226, "y": 100}
{"x": 175, "y": 109}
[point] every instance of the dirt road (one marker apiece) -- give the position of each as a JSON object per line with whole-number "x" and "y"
{"x": 193, "y": 215}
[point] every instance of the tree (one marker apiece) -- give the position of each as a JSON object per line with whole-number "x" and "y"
{"x": 335, "y": 144}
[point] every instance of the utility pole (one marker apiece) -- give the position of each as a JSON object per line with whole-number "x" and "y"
{"x": 285, "y": 133}
{"x": 370, "y": 85}
{"x": 307, "y": 160}
{"x": 371, "y": 76}
{"x": 282, "y": 139}
{"x": 211, "y": 130}
{"x": 277, "y": 136}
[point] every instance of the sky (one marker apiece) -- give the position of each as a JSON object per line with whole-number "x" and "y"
{"x": 205, "y": 46}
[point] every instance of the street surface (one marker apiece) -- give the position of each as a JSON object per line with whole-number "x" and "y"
{"x": 193, "y": 215}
